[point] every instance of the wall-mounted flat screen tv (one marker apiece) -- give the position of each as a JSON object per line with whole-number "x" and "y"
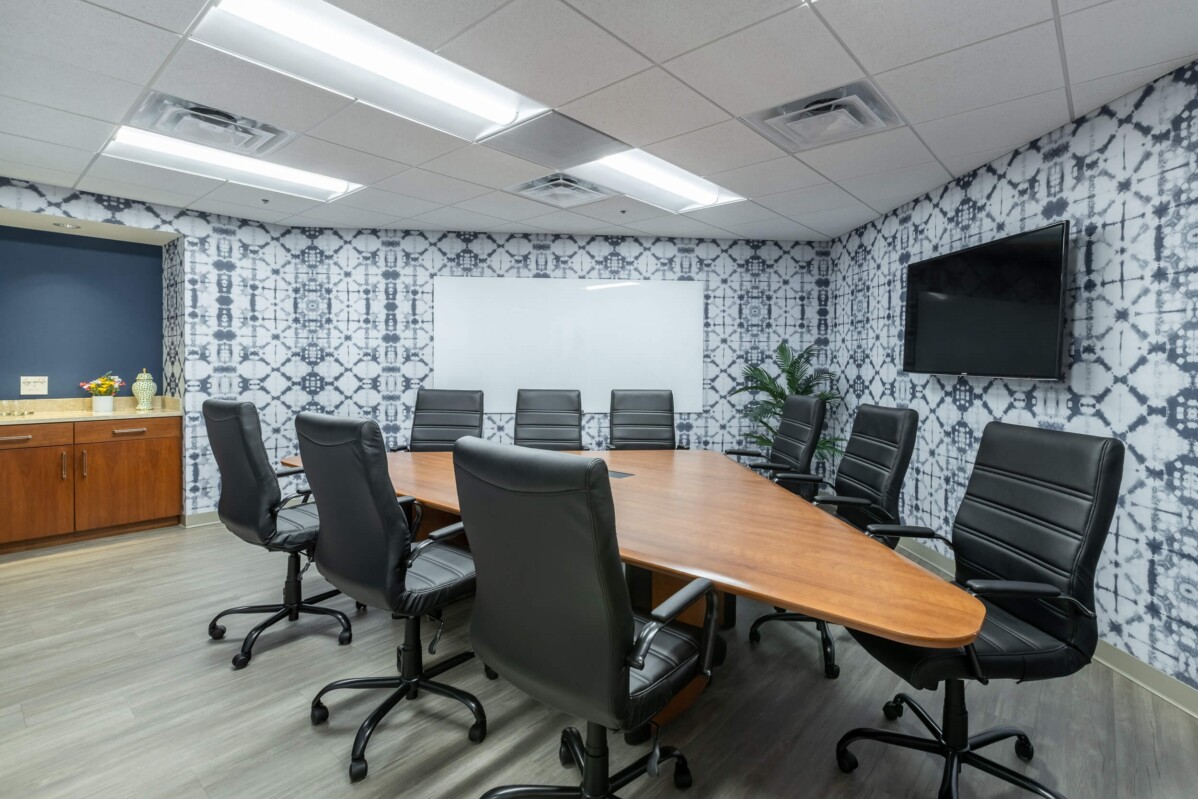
{"x": 995, "y": 310}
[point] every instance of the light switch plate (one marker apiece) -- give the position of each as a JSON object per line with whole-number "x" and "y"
{"x": 34, "y": 386}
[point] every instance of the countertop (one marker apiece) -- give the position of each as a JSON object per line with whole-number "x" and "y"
{"x": 45, "y": 417}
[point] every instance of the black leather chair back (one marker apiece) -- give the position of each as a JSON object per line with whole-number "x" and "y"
{"x": 875, "y": 462}
{"x": 549, "y": 419}
{"x": 799, "y": 430}
{"x": 642, "y": 419}
{"x": 364, "y": 537}
{"x": 249, "y": 489}
{"x": 552, "y": 614}
{"x": 1038, "y": 508}
{"x": 443, "y": 416}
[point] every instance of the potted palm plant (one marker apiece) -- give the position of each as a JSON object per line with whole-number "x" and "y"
{"x": 797, "y": 374}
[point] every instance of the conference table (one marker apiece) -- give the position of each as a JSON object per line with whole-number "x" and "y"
{"x": 682, "y": 514}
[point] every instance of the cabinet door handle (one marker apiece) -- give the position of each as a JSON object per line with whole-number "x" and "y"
{"x": 129, "y": 431}
{"x": 6, "y": 439}
{"x": 85, "y": 463}
{"x": 64, "y": 464}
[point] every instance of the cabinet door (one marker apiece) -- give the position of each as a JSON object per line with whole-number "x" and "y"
{"x": 37, "y": 489}
{"x": 125, "y": 482}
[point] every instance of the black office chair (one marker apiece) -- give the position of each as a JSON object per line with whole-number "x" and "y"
{"x": 799, "y": 431}
{"x": 642, "y": 419}
{"x": 1027, "y": 539}
{"x": 549, "y": 419}
{"x": 442, "y": 416}
{"x": 365, "y": 549}
{"x": 255, "y": 510}
{"x": 868, "y": 482}
{"x": 543, "y": 532}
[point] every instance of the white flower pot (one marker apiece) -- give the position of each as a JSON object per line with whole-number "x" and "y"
{"x": 101, "y": 404}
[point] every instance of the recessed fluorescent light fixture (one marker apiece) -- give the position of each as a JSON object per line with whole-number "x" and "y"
{"x": 622, "y": 284}
{"x": 66, "y": 225}
{"x": 655, "y": 181}
{"x": 328, "y": 46}
{"x": 142, "y": 146}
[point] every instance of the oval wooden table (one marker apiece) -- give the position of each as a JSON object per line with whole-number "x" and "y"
{"x": 691, "y": 513}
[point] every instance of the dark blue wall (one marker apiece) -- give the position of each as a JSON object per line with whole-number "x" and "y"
{"x": 74, "y": 307}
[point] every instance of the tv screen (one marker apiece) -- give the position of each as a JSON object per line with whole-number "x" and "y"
{"x": 996, "y": 310}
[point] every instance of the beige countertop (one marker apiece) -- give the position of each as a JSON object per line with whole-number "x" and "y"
{"x": 45, "y": 417}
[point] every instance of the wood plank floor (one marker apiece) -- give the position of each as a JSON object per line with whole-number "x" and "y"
{"x": 110, "y": 687}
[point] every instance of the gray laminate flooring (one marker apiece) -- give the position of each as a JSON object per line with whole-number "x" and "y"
{"x": 110, "y": 687}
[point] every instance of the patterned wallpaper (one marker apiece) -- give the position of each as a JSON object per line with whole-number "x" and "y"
{"x": 341, "y": 320}
{"x": 1125, "y": 178}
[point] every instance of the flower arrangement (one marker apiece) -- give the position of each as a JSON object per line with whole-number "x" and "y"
{"x": 106, "y": 385}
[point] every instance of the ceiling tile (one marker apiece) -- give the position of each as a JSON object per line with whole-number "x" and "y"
{"x": 431, "y": 186}
{"x": 768, "y": 177}
{"x": 333, "y": 215}
{"x": 1003, "y": 68}
{"x": 51, "y": 125}
{"x": 775, "y": 230}
{"x": 40, "y": 80}
{"x": 85, "y": 36}
{"x": 385, "y": 202}
{"x": 567, "y": 222}
{"x": 1069, "y": 6}
{"x": 1126, "y": 34}
{"x": 964, "y": 164}
{"x": 884, "y": 34}
{"x": 428, "y": 23}
{"x": 211, "y": 206}
{"x": 663, "y": 29}
{"x": 838, "y": 221}
{"x": 42, "y": 154}
{"x": 718, "y": 148}
{"x": 37, "y": 174}
{"x": 732, "y": 214}
{"x": 480, "y": 164}
{"x": 130, "y": 191}
{"x": 326, "y": 158}
{"x": 206, "y": 75}
{"x": 1096, "y": 93}
{"x": 891, "y": 203}
{"x": 645, "y": 108}
{"x": 782, "y": 59}
{"x": 458, "y": 219}
{"x": 252, "y": 197}
{"x": 545, "y": 50}
{"x": 152, "y": 177}
{"x": 808, "y": 200}
{"x": 897, "y": 183}
{"x": 506, "y": 206}
{"x": 881, "y": 152}
{"x": 517, "y": 227}
{"x": 1007, "y": 125}
{"x": 620, "y": 210}
{"x": 173, "y": 15}
{"x": 676, "y": 225}
{"x": 371, "y": 130}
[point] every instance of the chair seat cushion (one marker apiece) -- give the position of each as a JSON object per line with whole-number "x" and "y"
{"x": 296, "y": 528}
{"x": 1007, "y": 648}
{"x": 441, "y": 575}
{"x": 672, "y": 662}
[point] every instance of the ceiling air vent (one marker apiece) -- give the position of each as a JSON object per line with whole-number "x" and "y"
{"x": 561, "y": 191}
{"x": 194, "y": 122}
{"x": 830, "y": 116}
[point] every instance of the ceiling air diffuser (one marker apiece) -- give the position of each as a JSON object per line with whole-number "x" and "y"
{"x": 561, "y": 191}
{"x": 211, "y": 127}
{"x": 823, "y": 118}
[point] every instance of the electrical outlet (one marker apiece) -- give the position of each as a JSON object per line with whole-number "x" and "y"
{"x": 34, "y": 386}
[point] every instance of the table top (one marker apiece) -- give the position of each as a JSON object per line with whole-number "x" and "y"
{"x": 701, "y": 514}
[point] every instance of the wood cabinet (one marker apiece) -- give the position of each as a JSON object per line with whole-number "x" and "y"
{"x": 89, "y": 477}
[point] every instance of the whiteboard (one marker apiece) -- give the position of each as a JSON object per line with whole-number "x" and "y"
{"x": 503, "y": 334}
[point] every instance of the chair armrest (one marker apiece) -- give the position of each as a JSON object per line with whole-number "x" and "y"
{"x": 401, "y": 448}
{"x": 669, "y": 610}
{"x": 294, "y": 470}
{"x": 904, "y": 531}
{"x": 770, "y": 466}
{"x": 682, "y": 446}
{"x": 1019, "y": 589}
{"x": 795, "y": 477}
{"x": 436, "y": 536}
{"x": 303, "y": 494}
{"x": 857, "y": 502}
{"x": 406, "y": 501}
{"x": 744, "y": 453}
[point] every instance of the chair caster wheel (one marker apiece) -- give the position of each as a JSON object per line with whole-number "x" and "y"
{"x": 345, "y": 637}
{"x": 241, "y": 660}
{"x": 320, "y": 714}
{"x": 754, "y": 636}
{"x": 831, "y": 671}
{"x": 478, "y": 732}
{"x": 564, "y": 756}
{"x": 847, "y": 761}
{"x": 357, "y": 769}
{"x": 892, "y": 710}
{"x": 490, "y": 672}
{"x": 1024, "y": 749}
{"x": 216, "y": 632}
{"x": 361, "y": 607}
{"x": 682, "y": 777}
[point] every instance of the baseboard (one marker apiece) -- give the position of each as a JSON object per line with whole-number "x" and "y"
{"x": 201, "y": 519}
{"x": 1167, "y": 687}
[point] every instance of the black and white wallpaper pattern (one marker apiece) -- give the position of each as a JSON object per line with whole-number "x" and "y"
{"x": 1125, "y": 177}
